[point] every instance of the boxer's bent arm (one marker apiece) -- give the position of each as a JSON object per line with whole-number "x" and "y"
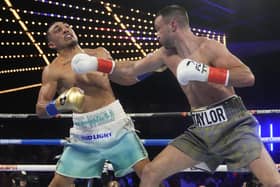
{"x": 190, "y": 70}
{"x": 47, "y": 92}
{"x": 70, "y": 100}
{"x": 240, "y": 75}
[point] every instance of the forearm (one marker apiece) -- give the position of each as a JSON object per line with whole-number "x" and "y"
{"x": 41, "y": 110}
{"x": 123, "y": 80}
{"x": 124, "y": 73}
{"x": 241, "y": 77}
{"x": 46, "y": 94}
{"x": 128, "y": 73}
{"x": 125, "y": 69}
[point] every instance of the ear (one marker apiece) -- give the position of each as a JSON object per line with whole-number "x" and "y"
{"x": 174, "y": 25}
{"x": 51, "y": 45}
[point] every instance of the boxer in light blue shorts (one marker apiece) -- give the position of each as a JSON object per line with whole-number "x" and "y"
{"x": 104, "y": 134}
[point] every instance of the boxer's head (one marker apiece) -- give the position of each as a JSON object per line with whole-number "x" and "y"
{"x": 169, "y": 20}
{"x": 60, "y": 35}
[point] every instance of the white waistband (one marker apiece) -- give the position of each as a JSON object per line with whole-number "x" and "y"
{"x": 106, "y": 114}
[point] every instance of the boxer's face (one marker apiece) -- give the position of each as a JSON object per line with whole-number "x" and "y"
{"x": 164, "y": 32}
{"x": 61, "y": 36}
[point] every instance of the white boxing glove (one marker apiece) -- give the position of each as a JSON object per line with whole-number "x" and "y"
{"x": 189, "y": 70}
{"x": 84, "y": 63}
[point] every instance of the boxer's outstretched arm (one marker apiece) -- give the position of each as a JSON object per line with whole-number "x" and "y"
{"x": 137, "y": 70}
{"x": 124, "y": 73}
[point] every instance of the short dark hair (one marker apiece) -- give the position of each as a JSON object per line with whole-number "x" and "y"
{"x": 177, "y": 12}
{"x": 48, "y": 30}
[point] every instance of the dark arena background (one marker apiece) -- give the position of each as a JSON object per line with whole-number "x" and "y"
{"x": 250, "y": 29}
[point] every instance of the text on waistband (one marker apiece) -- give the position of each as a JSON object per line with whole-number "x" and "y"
{"x": 209, "y": 117}
{"x": 93, "y": 137}
{"x": 97, "y": 119}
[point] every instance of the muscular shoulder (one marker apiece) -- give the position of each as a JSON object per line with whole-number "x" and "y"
{"x": 50, "y": 71}
{"x": 210, "y": 44}
{"x": 211, "y": 48}
{"x": 164, "y": 53}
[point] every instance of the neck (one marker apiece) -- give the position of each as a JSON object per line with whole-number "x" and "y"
{"x": 70, "y": 51}
{"x": 186, "y": 42}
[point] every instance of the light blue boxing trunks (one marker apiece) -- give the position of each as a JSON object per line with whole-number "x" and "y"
{"x": 104, "y": 134}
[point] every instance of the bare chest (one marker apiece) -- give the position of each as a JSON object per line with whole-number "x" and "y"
{"x": 68, "y": 79}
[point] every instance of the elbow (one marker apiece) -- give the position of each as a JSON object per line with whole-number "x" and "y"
{"x": 250, "y": 80}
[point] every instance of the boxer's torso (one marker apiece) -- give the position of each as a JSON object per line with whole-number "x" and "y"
{"x": 199, "y": 94}
{"x": 96, "y": 85}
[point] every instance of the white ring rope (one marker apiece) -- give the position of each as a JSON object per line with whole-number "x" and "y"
{"x": 51, "y": 168}
{"x": 61, "y": 142}
{"x": 157, "y": 114}
{"x": 27, "y": 167}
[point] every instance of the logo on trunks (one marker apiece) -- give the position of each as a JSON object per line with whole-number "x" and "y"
{"x": 209, "y": 117}
{"x": 97, "y": 119}
{"x": 98, "y": 136}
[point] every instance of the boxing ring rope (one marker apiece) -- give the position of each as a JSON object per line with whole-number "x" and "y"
{"x": 28, "y": 167}
{"x": 61, "y": 142}
{"x": 51, "y": 168}
{"x": 157, "y": 114}
{"x": 146, "y": 142}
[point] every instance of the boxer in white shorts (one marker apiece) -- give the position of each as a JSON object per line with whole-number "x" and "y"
{"x": 88, "y": 95}
{"x": 104, "y": 134}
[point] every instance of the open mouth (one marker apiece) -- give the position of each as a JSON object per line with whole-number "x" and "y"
{"x": 68, "y": 37}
